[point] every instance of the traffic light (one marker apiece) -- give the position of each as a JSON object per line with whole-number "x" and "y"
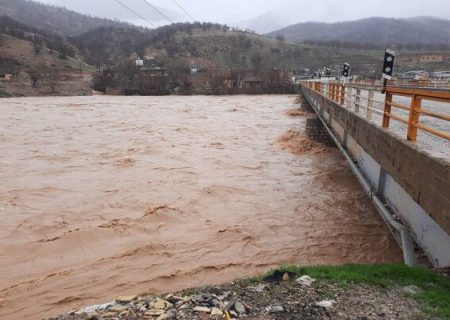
{"x": 319, "y": 75}
{"x": 328, "y": 73}
{"x": 388, "y": 65}
{"x": 346, "y": 71}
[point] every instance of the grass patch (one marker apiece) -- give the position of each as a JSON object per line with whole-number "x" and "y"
{"x": 433, "y": 296}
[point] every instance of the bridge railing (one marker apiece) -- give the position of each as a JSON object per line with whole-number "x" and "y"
{"x": 433, "y": 83}
{"x": 361, "y": 96}
{"x": 415, "y": 110}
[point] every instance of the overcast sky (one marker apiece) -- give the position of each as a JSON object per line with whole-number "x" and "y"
{"x": 234, "y": 12}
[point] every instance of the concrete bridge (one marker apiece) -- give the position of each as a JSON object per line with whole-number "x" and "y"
{"x": 398, "y": 146}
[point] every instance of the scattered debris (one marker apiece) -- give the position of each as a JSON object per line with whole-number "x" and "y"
{"x": 94, "y": 308}
{"x": 305, "y": 281}
{"x": 275, "y": 309}
{"x": 410, "y": 289}
{"x": 326, "y": 304}
{"x": 161, "y": 304}
{"x": 259, "y": 288}
{"x": 202, "y": 309}
{"x": 276, "y": 299}
{"x": 239, "y": 307}
{"x": 216, "y": 312}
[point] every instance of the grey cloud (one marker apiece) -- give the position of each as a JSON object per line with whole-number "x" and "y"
{"x": 268, "y": 13}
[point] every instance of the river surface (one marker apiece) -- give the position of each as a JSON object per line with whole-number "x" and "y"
{"x": 106, "y": 196}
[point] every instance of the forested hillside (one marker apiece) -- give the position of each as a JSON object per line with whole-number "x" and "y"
{"x": 412, "y": 33}
{"x": 206, "y": 55}
{"x": 52, "y": 19}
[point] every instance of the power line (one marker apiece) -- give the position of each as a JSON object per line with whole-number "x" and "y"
{"x": 157, "y": 10}
{"x": 182, "y": 9}
{"x": 135, "y": 13}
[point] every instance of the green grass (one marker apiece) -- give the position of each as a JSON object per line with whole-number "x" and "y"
{"x": 433, "y": 296}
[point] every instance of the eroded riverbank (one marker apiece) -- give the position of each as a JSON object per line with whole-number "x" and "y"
{"x": 108, "y": 196}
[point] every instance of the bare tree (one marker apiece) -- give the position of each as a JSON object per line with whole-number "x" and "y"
{"x": 277, "y": 81}
{"x": 217, "y": 80}
{"x": 236, "y": 79}
{"x": 35, "y": 75}
{"x": 257, "y": 61}
{"x": 37, "y": 44}
{"x": 52, "y": 77}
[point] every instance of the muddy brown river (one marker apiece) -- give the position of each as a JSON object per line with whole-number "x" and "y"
{"x": 106, "y": 196}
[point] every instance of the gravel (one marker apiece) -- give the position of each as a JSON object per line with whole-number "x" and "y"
{"x": 269, "y": 299}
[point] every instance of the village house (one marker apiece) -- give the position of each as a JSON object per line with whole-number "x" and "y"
{"x": 6, "y": 77}
{"x": 426, "y": 58}
{"x": 411, "y": 60}
{"x": 151, "y": 67}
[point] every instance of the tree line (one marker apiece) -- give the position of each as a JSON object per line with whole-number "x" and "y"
{"x": 37, "y": 37}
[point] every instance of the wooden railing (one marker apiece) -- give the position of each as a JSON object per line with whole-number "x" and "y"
{"x": 350, "y": 95}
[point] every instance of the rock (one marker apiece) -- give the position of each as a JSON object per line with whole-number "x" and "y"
{"x": 305, "y": 281}
{"x": 142, "y": 306}
{"x": 326, "y": 304}
{"x": 143, "y": 309}
{"x": 239, "y": 307}
{"x": 214, "y": 290}
{"x": 161, "y": 304}
{"x": 224, "y": 295}
{"x": 122, "y": 314}
{"x": 94, "y": 308}
{"x": 286, "y": 276}
{"x": 125, "y": 299}
{"x": 198, "y": 298}
{"x": 216, "y": 312}
{"x": 171, "y": 314}
{"x": 118, "y": 308}
{"x": 154, "y": 313}
{"x": 202, "y": 309}
{"x": 410, "y": 289}
{"x": 175, "y": 299}
{"x": 168, "y": 296}
{"x": 109, "y": 314}
{"x": 183, "y": 306}
{"x": 275, "y": 309}
{"x": 259, "y": 288}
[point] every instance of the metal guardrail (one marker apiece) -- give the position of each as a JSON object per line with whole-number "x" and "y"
{"x": 350, "y": 95}
{"x": 443, "y": 84}
{"x": 415, "y": 110}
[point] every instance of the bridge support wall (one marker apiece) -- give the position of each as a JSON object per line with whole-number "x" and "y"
{"x": 412, "y": 184}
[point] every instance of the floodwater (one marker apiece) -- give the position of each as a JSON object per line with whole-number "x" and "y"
{"x": 106, "y": 196}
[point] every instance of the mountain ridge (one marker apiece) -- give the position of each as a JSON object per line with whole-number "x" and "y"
{"x": 383, "y": 31}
